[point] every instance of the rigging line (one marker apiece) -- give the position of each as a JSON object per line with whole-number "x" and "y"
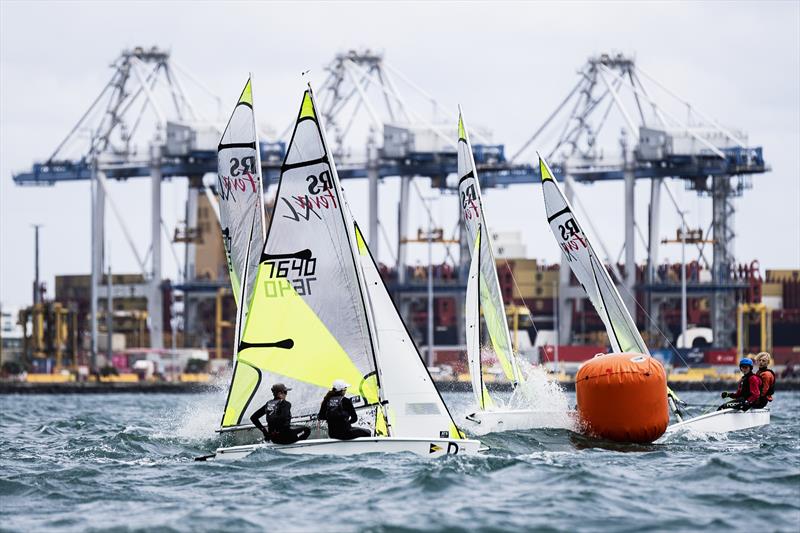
{"x": 653, "y": 322}
{"x": 388, "y": 243}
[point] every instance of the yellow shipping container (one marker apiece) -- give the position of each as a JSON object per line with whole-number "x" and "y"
{"x": 772, "y": 289}
{"x": 49, "y": 378}
{"x": 782, "y": 275}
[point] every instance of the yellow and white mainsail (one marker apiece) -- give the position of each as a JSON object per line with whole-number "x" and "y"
{"x": 241, "y": 215}
{"x": 319, "y": 310}
{"x": 588, "y": 268}
{"x": 488, "y": 285}
{"x": 307, "y": 323}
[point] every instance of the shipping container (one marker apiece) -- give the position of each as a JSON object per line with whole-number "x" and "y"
{"x": 721, "y": 357}
{"x": 571, "y": 353}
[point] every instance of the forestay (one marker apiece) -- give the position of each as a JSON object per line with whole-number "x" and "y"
{"x": 491, "y": 299}
{"x": 307, "y": 322}
{"x": 589, "y": 270}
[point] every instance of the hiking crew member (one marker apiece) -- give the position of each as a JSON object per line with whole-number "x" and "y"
{"x": 749, "y": 390}
{"x": 338, "y": 410}
{"x": 279, "y": 417}
{"x": 767, "y": 380}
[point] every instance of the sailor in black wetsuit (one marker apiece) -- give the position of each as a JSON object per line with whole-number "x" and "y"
{"x": 279, "y": 417}
{"x": 338, "y": 410}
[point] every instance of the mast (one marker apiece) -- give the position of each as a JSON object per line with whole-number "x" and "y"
{"x": 351, "y": 232}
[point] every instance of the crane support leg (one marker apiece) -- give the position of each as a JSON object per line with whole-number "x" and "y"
{"x": 154, "y": 301}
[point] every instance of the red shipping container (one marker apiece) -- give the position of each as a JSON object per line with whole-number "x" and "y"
{"x": 720, "y": 357}
{"x": 783, "y": 355}
{"x": 570, "y": 354}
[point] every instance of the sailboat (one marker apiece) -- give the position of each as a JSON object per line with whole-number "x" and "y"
{"x": 240, "y": 197}
{"x": 622, "y": 331}
{"x": 483, "y": 292}
{"x": 319, "y": 312}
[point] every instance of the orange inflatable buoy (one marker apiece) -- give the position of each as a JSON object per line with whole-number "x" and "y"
{"x": 623, "y": 397}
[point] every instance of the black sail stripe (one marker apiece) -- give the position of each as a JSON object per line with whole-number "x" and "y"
{"x": 226, "y": 146}
{"x": 470, "y": 174}
{"x": 310, "y": 162}
{"x": 558, "y": 214}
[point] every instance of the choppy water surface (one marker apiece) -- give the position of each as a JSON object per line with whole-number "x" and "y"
{"x": 125, "y": 462}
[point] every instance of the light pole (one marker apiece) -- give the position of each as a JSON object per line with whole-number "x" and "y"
{"x": 555, "y": 325}
{"x": 430, "y": 286}
{"x": 37, "y": 294}
{"x": 684, "y": 324}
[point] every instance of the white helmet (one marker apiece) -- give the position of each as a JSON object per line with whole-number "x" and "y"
{"x": 340, "y": 385}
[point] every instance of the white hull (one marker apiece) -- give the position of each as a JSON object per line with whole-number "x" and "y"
{"x": 517, "y": 419}
{"x": 723, "y": 421}
{"x": 362, "y": 445}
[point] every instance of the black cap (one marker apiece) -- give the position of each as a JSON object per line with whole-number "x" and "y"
{"x": 279, "y": 387}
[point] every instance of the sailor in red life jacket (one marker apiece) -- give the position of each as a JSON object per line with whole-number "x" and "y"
{"x": 749, "y": 390}
{"x": 767, "y": 380}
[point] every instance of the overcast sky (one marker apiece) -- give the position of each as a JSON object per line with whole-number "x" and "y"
{"x": 508, "y": 64}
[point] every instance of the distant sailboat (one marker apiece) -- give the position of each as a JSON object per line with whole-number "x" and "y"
{"x": 321, "y": 312}
{"x": 483, "y": 292}
{"x": 601, "y": 291}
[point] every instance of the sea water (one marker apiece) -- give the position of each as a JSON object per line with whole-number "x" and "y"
{"x": 124, "y": 462}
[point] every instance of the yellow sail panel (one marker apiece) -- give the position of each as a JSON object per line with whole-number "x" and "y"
{"x": 381, "y": 430}
{"x": 279, "y": 314}
{"x": 307, "y": 107}
{"x": 462, "y": 133}
{"x": 486, "y": 400}
{"x": 544, "y": 170}
{"x": 362, "y": 245}
{"x": 244, "y": 382}
{"x": 247, "y": 94}
{"x": 236, "y": 286}
{"x": 497, "y": 326}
